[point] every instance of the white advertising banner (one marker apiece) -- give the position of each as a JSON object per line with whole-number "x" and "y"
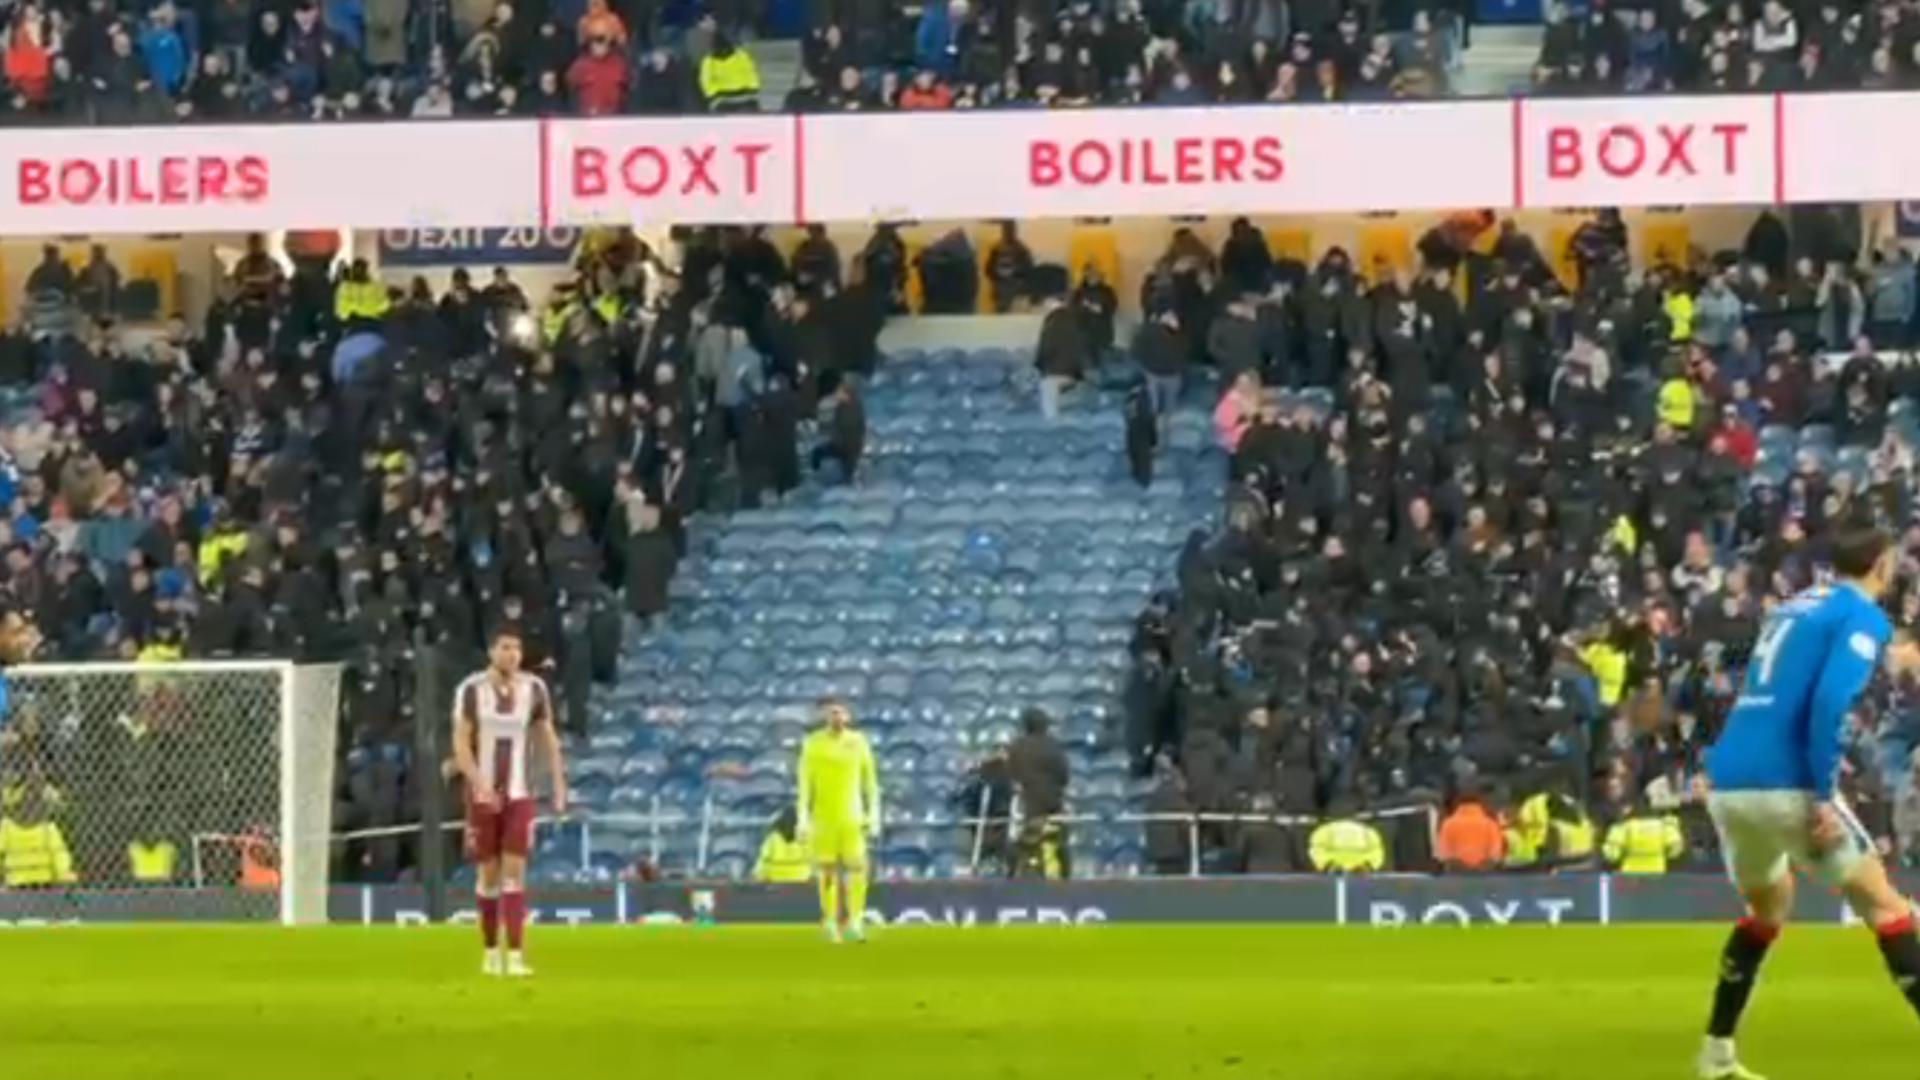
{"x": 671, "y": 170}
{"x": 1114, "y": 162}
{"x": 1665, "y": 151}
{"x": 1254, "y": 159}
{"x": 248, "y": 177}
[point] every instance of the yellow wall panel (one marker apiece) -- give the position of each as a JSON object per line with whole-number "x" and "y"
{"x": 159, "y": 264}
{"x": 1286, "y": 242}
{"x": 1559, "y": 255}
{"x": 1666, "y": 241}
{"x": 1384, "y": 249}
{"x": 1097, "y": 245}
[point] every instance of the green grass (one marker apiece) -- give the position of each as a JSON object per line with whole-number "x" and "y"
{"x": 1115, "y": 1003}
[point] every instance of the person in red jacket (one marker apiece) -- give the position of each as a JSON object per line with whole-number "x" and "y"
{"x": 598, "y": 79}
{"x": 926, "y": 92}
{"x": 1741, "y": 442}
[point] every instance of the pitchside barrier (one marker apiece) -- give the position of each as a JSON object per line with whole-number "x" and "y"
{"x": 1385, "y": 902}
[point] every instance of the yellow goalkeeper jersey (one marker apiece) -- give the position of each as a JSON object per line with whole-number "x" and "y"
{"x": 838, "y": 780}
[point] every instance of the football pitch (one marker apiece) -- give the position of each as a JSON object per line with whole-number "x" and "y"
{"x": 1113, "y": 1003}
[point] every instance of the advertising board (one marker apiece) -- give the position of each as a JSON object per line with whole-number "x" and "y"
{"x": 1752, "y": 149}
{"x": 1385, "y": 902}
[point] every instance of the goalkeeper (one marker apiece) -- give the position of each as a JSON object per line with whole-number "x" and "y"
{"x": 839, "y": 811}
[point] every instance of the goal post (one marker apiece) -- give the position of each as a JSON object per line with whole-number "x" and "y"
{"x": 187, "y": 790}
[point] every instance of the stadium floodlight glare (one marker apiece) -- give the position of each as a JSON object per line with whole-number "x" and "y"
{"x": 185, "y": 790}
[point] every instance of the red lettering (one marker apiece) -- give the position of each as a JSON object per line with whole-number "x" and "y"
{"x": 1677, "y": 140}
{"x": 699, "y": 166}
{"x": 1148, "y": 173}
{"x": 1563, "y": 153}
{"x": 173, "y": 180}
{"x": 750, "y": 155}
{"x": 1227, "y": 156}
{"x": 139, "y": 182}
{"x": 1268, "y": 165}
{"x": 210, "y": 181}
{"x": 1624, "y": 151}
{"x": 1730, "y": 136}
{"x": 1128, "y": 162}
{"x": 256, "y": 180}
{"x": 1043, "y": 164}
{"x": 1090, "y": 163}
{"x": 646, "y": 186}
{"x": 649, "y": 170}
{"x": 1186, "y": 162}
{"x": 32, "y": 187}
{"x": 176, "y": 180}
{"x": 589, "y": 172}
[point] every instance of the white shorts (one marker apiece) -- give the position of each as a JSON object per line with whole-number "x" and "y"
{"x": 1764, "y": 835}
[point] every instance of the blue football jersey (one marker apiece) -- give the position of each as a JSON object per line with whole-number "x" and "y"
{"x": 1815, "y": 654}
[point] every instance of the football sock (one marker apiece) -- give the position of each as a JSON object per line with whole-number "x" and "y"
{"x": 857, "y": 895}
{"x": 1902, "y": 951}
{"x": 489, "y": 918}
{"x": 829, "y": 895}
{"x": 513, "y": 910}
{"x": 1739, "y": 967}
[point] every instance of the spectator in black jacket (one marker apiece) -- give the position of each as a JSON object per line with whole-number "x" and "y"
{"x": 846, "y": 437}
{"x": 1061, "y": 355}
{"x": 1040, "y": 772}
{"x": 1162, "y": 354}
{"x": 1009, "y": 265}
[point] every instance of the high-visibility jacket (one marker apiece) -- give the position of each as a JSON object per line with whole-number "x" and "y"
{"x": 1675, "y": 407}
{"x": 1574, "y": 837}
{"x": 607, "y": 306}
{"x": 360, "y": 300}
{"x": 1645, "y": 843}
{"x": 1624, "y": 535}
{"x": 159, "y": 653}
{"x": 1609, "y": 667}
{"x": 733, "y": 76}
{"x": 1679, "y": 308}
{"x": 782, "y": 861}
{"x": 553, "y": 321}
{"x": 1538, "y": 827}
{"x": 152, "y": 864}
{"x": 34, "y": 856}
{"x": 216, "y": 548}
{"x": 1347, "y": 846}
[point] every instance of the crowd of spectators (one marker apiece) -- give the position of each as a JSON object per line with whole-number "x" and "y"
{"x": 224, "y": 60}
{"x": 1760, "y": 47}
{"x": 1511, "y": 554}
{"x": 327, "y": 469}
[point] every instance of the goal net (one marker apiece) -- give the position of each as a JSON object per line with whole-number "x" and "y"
{"x": 169, "y": 791}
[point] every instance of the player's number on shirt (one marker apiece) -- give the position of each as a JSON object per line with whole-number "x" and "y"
{"x": 1767, "y": 649}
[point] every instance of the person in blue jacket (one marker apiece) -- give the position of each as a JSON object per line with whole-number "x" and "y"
{"x": 936, "y": 44}
{"x": 165, "y": 50}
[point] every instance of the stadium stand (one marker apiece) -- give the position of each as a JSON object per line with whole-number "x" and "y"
{"x": 1441, "y": 574}
{"x": 227, "y": 60}
{"x": 988, "y": 562}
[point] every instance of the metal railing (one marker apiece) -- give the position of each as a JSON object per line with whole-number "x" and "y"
{"x": 656, "y": 822}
